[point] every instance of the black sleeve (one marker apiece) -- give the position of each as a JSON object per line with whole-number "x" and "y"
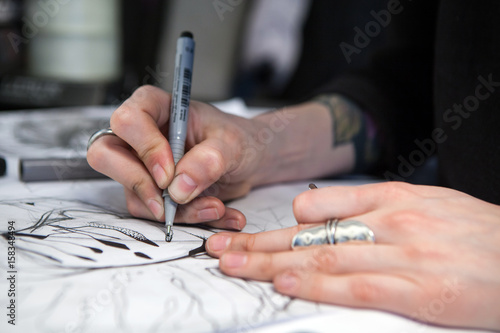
{"x": 396, "y": 88}
{"x": 467, "y": 98}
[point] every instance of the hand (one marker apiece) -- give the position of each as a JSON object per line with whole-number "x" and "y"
{"x": 436, "y": 258}
{"x": 140, "y": 158}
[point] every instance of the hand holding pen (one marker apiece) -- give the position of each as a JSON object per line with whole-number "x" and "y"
{"x": 225, "y": 156}
{"x": 140, "y": 158}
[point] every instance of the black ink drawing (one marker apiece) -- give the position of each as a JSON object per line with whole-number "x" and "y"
{"x": 89, "y": 268}
{"x": 78, "y": 234}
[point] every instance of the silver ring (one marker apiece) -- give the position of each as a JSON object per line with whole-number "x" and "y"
{"x": 98, "y": 134}
{"x": 331, "y": 228}
{"x": 334, "y": 232}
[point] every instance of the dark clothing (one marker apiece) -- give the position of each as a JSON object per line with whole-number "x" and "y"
{"x": 436, "y": 86}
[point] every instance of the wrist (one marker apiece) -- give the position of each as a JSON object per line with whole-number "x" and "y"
{"x": 297, "y": 144}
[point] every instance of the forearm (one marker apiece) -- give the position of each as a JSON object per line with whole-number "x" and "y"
{"x": 309, "y": 140}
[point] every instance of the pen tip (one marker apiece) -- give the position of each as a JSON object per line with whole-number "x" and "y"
{"x": 169, "y": 234}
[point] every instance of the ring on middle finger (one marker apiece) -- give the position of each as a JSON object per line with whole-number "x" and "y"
{"x": 334, "y": 232}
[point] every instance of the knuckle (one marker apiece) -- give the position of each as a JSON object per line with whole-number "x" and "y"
{"x": 364, "y": 291}
{"x": 147, "y": 151}
{"x": 123, "y": 114}
{"x": 144, "y": 89}
{"x": 266, "y": 264}
{"x": 250, "y": 242}
{"x": 401, "y": 219}
{"x": 213, "y": 159}
{"x": 138, "y": 186}
{"x": 357, "y": 195}
{"x": 395, "y": 189}
{"x": 122, "y": 118}
{"x": 324, "y": 258}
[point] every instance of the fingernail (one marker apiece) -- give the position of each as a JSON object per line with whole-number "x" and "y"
{"x": 208, "y": 214}
{"x": 233, "y": 260}
{"x": 181, "y": 187}
{"x": 233, "y": 224}
{"x": 160, "y": 176}
{"x": 287, "y": 281}
{"x": 156, "y": 208}
{"x": 218, "y": 242}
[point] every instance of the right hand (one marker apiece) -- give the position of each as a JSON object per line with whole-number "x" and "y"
{"x": 216, "y": 160}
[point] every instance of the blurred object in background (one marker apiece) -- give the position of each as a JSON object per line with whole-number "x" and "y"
{"x": 142, "y": 26}
{"x": 75, "y": 41}
{"x": 10, "y": 15}
{"x": 71, "y": 51}
{"x": 272, "y": 42}
{"x": 216, "y": 26}
{"x": 292, "y": 48}
{"x": 90, "y": 52}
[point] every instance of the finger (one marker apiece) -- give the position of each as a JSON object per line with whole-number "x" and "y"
{"x": 112, "y": 157}
{"x": 374, "y": 291}
{"x": 139, "y": 122}
{"x": 269, "y": 241}
{"x": 346, "y": 201}
{"x": 201, "y": 167}
{"x": 232, "y": 220}
{"x": 207, "y": 210}
{"x": 342, "y": 259}
{"x": 340, "y": 201}
{"x": 212, "y": 211}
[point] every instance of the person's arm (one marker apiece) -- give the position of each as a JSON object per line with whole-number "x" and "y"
{"x": 329, "y": 135}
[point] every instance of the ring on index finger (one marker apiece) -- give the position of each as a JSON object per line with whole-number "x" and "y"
{"x": 98, "y": 134}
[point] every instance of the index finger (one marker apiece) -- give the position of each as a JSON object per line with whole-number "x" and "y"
{"x": 141, "y": 121}
{"x": 348, "y": 201}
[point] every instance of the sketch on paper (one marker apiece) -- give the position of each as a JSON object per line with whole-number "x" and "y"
{"x": 60, "y": 133}
{"x": 70, "y": 233}
{"x": 97, "y": 269}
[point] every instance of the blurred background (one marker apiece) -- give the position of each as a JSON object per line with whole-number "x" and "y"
{"x": 97, "y": 52}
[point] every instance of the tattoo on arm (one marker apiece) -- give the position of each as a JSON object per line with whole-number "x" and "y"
{"x": 351, "y": 125}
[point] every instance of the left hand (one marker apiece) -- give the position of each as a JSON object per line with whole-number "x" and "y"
{"x": 436, "y": 258}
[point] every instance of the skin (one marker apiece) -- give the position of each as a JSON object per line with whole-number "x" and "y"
{"x": 436, "y": 256}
